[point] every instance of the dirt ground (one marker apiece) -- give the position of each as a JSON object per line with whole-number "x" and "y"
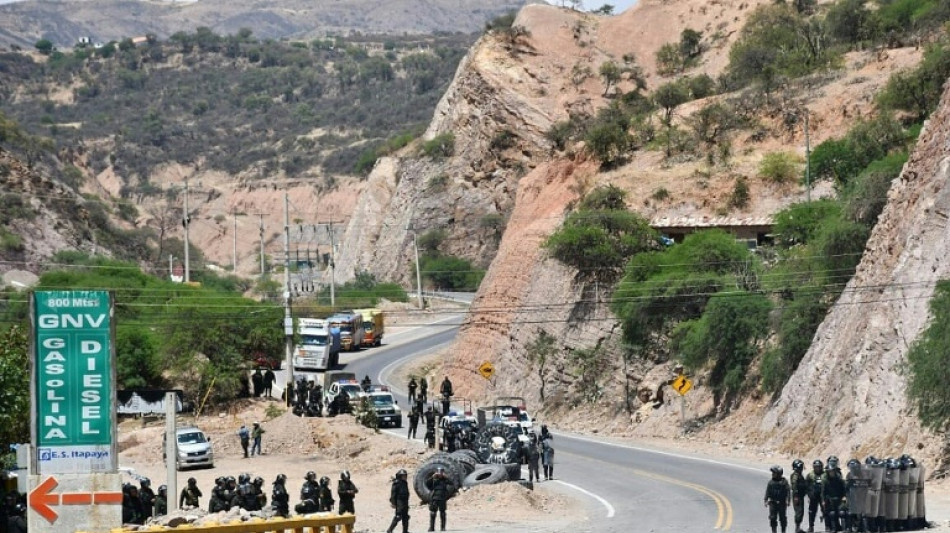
{"x": 294, "y": 445}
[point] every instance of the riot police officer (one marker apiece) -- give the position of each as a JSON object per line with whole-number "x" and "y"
{"x": 308, "y": 494}
{"x": 147, "y": 497}
{"x": 439, "y": 484}
{"x": 325, "y": 496}
{"x": 814, "y": 480}
{"x": 399, "y": 499}
{"x": 279, "y": 498}
{"x": 799, "y": 488}
{"x": 833, "y": 491}
{"x": 776, "y": 498}
{"x": 346, "y": 490}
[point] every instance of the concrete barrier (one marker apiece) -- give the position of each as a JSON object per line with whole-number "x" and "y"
{"x": 297, "y": 524}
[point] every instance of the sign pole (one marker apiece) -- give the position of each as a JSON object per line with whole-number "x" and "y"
{"x": 171, "y": 451}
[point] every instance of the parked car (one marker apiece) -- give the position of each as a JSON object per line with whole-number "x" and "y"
{"x": 193, "y": 447}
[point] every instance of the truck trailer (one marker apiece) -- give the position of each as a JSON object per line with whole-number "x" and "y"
{"x": 318, "y": 347}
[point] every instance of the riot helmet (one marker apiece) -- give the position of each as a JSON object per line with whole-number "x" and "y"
{"x": 311, "y": 476}
{"x": 145, "y": 482}
{"x": 833, "y": 462}
{"x": 798, "y": 465}
{"x": 280, "y": 479}
{"x": 402, "y": 473}
{"x": 776, "y": 471}
{"x": 258, "y": 481}
{"x": 163, "y": 490}
{"x": 345, "y": 475}
{"x": 192, "y": 482}
{"x": 325, "y": 481}
{"x": 818, "y": 466}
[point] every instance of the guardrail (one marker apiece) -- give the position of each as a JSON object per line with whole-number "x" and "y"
{"x": 297, "y": 524}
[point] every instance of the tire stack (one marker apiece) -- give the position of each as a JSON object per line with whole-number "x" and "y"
{"x": 498, "y": 452}
{"x": 457, "y": 465}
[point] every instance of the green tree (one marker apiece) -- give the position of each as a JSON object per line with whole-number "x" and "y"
{"x": 727, "y": 337}
{"x": 668, "y": 97}
{"x": 138, "y": 363}
{"x": 14, "y": 387}
{"x": 610, "y": 73}
{"x": 929, "y": 372}
{"x": 918, "y": 90}
{"x": 800, "y": 223}
{"x": 44, "y": 46}
{"x": 539, "y": 352}
{"x": 598, "y": 240}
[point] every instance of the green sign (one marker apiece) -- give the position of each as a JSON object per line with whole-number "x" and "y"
{"x": 72, "y": 346}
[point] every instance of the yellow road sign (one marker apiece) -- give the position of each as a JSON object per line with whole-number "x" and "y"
{"x": 487, "y": 370}
{"x": 682, "y": 384}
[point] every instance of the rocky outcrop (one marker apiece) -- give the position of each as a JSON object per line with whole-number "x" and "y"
{"x": 849, "y": 392}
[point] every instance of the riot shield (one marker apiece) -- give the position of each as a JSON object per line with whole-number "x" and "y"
{"x": 903, "y": 479}
{"x": 889, "y": 500}
{"x": 858, "y": 482}
{"x": 914, "y": 475}
{"x": 873, "y": 507}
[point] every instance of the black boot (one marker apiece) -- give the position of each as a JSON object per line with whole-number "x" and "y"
{"x": 405, "y": 526}
{"x": 392, "y": 526}
{"x": 431, "y": 521}
{"x": 443, "y": 522}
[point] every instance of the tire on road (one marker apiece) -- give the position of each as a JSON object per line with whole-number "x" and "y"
{"x": 420, "y": 483}
{"x": 514, "y": 471}
{"x": 465, "y": 461}
{"x": 486, "y": 475}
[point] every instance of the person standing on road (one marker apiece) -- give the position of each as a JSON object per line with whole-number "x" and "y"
{"x": 776, "y": 499}
{"x": 325, "y": 496}
{"x": 308, "y": 495}
{"x": 245, "y": 437}
{"x": 413, "y": 423}
{"x": 833, "y": 492}
{"x": 814, "y": 480}
{"x": 257, "y": 382}
{"x": 257, "y": 433}
{"x": 366, "y": 383}
{"x": 190, "y": 495}
{"x": 412, "y": 390}
{"x": 533, "y": 457}
{"x": 279, "y": 497}
{"x": 547, "y": 458}
{"x": 799, "y": 487}
{"x": 346, "y": 491}
{"x": 430, "y": 427}
{"x": 440, "y": 494}
{"x": 269, "y": 380}
{"x": 399, "y": 499}
{"x": 423, "y": 389}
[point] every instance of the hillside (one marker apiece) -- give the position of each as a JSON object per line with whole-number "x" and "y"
{"x": 517, "y": 86}
{"x": 237, "y": 116}
{"x": 64, "y": 23}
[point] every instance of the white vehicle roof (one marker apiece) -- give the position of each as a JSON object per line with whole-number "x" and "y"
{"x": 312, "y": 323}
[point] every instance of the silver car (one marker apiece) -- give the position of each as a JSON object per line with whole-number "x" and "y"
{"x": 194, "y": 448}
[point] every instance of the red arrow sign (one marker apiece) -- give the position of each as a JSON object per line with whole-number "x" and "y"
{"x": 41, "y": 499}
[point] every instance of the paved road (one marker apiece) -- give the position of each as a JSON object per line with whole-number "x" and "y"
{"x": 625, "y": 489}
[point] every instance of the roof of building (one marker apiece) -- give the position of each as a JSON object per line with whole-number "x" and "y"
{"x": 710, "y": 221}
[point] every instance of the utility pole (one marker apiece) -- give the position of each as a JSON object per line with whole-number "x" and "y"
{"x": 332, "y": 266}
{"x": 171, "y": 265}
{"x": 171, "y": 449}
{"x": 288, "y": 316}
{"x": 415, "y": 247}
{"x": 807, "y": 160}
{"x": 234, "y": 243}
{"x": 186, "y": 221}
{"x": 261, "y": 215}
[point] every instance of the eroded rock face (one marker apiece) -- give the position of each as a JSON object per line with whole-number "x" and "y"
{"x": 849, "y": 392}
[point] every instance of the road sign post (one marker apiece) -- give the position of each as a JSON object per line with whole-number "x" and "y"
{"x": 73, "y": 413}
{"x": 682, "y": 385}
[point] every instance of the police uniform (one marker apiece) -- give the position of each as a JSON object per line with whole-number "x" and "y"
{"x": 776, "y": 498}
{"x": 799, "y": 487}
{"x": 399, "y": 499}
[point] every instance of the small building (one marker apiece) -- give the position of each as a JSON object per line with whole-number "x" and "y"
{"x": 754, "y": 231}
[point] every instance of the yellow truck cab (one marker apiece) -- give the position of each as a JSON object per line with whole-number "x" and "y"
{"x": 373, "y": 326}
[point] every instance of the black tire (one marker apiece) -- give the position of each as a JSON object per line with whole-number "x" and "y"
{"x": 514, "y": 471}
{"x": 486, "y": 475}
{"x": 465, "y": 451}
{"x": 465, "y": 461}
{"x": 453, "y": 468}
{"x": 425, "y": 473}
{"x": 488, "y": 452}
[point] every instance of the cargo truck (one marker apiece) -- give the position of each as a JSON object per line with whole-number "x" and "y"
{"x": 373, "y": 326}
{"x": 318, "y": 346}
{"x": 351, "y": 329}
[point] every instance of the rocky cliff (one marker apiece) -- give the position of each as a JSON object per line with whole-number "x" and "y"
{"x": 849, "y": 393}
{"x": 525, "y": 87}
